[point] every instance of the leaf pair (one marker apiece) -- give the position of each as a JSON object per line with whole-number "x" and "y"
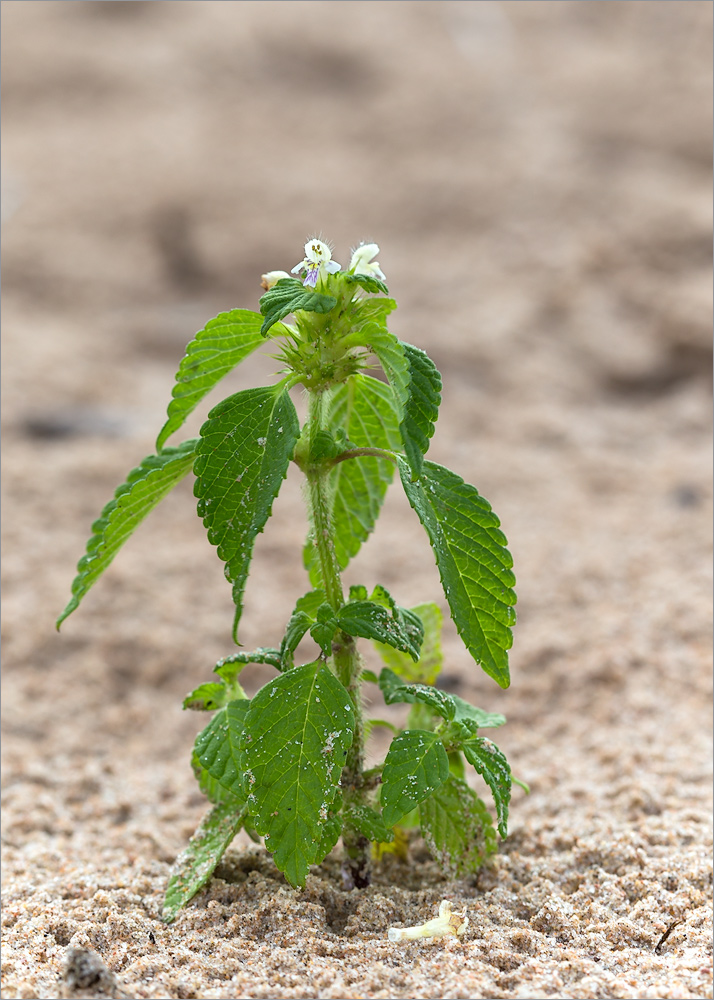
{"x": 379, "y": 618}
{"x": 404, "y": 787}
{"x": 215, "y": 350}
{"x": 416, "y": 384}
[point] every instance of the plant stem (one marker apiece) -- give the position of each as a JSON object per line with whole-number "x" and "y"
{"x": 346, "y": 659}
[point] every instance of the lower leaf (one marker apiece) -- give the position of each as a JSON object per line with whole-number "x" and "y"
{"x": 297, "y": 734}
{"x": 457, "y": 828}
{"x": 415, "y": 766}
{"x": 491, "y": 764}
{"x": 195, "y": 865}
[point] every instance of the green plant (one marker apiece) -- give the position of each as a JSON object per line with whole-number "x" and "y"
{"x": 288, "y": 765}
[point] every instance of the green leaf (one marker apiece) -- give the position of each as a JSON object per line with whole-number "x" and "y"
{"x": 374, "y": 309}
{"x": 368, "y": 822}
{"x": 473, "y": 561}
{"x": 214, "y": 351}
{"x": 491, "y": 764}
{"x": 395, "y": 690}
{"x": 242, "y": 459}
{"x": 428, "y": 666}
{"x": 207, "y": 697}
{"x": 364, "y": 408}
{"x": 390, "y": 352}
{"x": 302, "y": 619}
{"x": 229, "y": 667}
{"x": 195, "y": 865}
{"x": 422, "y": 407}
{"x": 372, "y": 621}
{"x": 297, "y": 734}
{"x": 289, "y": 295}
{"x": 144, "y": 487}
{"x": 366, "y": 281}
{"x": 457, "y": 828}
{"x": 331, "y": 828}
{"x": 471, "y": 718}
{"x": 323, "y": 630}
{"x": 216, "y": 749}
{"x": 415, "y": 766}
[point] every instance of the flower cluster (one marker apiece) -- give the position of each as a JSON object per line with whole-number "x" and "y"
{"x": 318, "y": 263}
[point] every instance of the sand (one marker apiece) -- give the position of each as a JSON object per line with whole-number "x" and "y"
{"x": 538, "y": 177}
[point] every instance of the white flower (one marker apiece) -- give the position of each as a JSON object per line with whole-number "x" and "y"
{"x": 362, "y": 262}
{"x": 318, "y": 261}
{"x": 271, "y": 278}
{"x": 446, "y": 924}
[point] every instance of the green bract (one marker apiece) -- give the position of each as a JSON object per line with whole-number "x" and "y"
{"x": 288, "y": 765}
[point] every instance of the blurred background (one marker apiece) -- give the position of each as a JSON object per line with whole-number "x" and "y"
{"x": 538, "y": 177}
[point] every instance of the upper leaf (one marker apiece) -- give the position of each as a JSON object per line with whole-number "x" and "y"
{"x": 364, "y": 408}
{"x": 287, "y": 296}
{"x": 297, "y": 734}
{"x": 392, "y": 358}
{"x": 302, "y": 620}
{"x": 242, "y": 458}
{"x": 229, "y": 667}
{"x": 414, "y": 767}
{"x": 208, "y": 697}
{"x": 214, "y": 351}
{"x": 194, "y": 866}
{"x": 395, "y": 690}
{"x": 449, "y": 706}
{"x": 376, "y": 309}
{"x": 397, "y": 627}
{"x": 470, "y": 719}
{"x": 473, "y": 561}
{"x": 457, "y": 828}
{"x": 366, "y": 281}
{"x": 144, "y": 487}
{"x": 428, "y": 666}
{"x": 491, "y": 764}
{"x": 422, "y": 407}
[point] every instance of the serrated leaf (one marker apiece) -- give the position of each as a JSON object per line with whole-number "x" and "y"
{"x": 144, "y": 487}
{"x": 196, "y": 864}
{"x": 422, "y": 406}
{"x": 297, "y": 734}
{"x": 373, "y": 621}
{"x": 471, "y": 718}
{"x": 364, "y": 408}
{"x": 215, "y": 350}
{"x": 428, "y": 666}
{"x": 415, "y": 766}
{"x": 368, "y": 822}
{"x": 331, "y": 828}
{"x": 207, "y": 697}
{"x": 373, "y": 310}
{"x": 217, "y": 752}
{"x": 491, "y": 764}
{"x": 241, "y": 460}
{"x": 323, "y": 630}
{"x": 289, "y": 295}
{"x": 229, "y": 667}
{"x": 390, "y": 352}
{"x": 303, "y": 617}
{"x": 396, "y": 691}
{"x": 366, "y": 281}
{"x": 473, "y": 561}
{"x": 457, "y": 828}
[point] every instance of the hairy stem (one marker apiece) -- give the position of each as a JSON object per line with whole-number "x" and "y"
{"x": 346, "y": 659}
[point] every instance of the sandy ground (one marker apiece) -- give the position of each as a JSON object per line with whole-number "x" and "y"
{"x": 538, "y": 177}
